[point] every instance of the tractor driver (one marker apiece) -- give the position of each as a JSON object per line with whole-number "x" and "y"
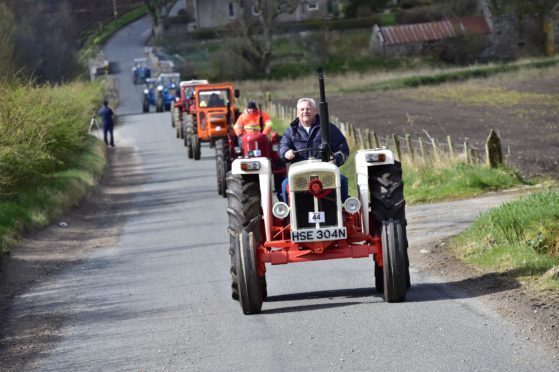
{"x": 304, "y": 133}
{"x": 249, "y": 121}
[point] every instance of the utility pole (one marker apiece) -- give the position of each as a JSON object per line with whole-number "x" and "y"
{"x": 114, "y": 9}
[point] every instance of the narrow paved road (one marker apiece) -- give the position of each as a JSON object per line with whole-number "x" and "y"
{"x": 159, "y": 297}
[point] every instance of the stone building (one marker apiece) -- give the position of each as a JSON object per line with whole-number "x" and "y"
{"x": 219, "y": 13}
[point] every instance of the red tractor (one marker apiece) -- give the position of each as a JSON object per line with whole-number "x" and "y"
{"x": 314, "y": 224}
{"x": 184, "y": 104}
{"x": 253, "y": 145}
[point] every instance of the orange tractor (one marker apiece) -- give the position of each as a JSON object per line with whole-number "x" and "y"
{"x": 215, "y": 113}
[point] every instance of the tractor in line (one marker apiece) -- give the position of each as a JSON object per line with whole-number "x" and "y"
{"x": 314, "y": 224}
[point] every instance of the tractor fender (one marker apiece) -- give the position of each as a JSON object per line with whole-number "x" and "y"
{"x": 363, "y": 161}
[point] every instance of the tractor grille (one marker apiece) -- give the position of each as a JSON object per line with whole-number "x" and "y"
{"x": 304, "y": 202}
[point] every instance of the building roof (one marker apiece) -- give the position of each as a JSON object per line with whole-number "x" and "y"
{"x": 431, "y": 31}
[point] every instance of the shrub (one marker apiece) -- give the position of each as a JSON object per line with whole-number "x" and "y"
{"x": 43, "y": 128}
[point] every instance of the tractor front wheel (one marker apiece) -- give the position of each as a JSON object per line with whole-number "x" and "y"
{"x": 145, "y": 105}
{"x": 195, "y": 146}
{"x": 394, "y": 261}
{"x": 159, "y": 104}
{"x": 251, "y": 293}
{"x": 243, "y": 207}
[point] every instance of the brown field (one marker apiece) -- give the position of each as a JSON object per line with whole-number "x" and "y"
{"x": 522, "y": 107}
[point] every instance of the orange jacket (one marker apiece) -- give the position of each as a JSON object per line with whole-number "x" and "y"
{"x": 251, "y": 122}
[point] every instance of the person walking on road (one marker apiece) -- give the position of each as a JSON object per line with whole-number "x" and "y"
{"x": 106, "y": 114}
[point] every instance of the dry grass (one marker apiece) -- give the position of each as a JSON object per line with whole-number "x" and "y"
{"x": 336, "y": 84}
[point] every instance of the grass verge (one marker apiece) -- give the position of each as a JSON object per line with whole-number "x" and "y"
{"x": 520, "y": 238}
{"x": 59, "y": 192}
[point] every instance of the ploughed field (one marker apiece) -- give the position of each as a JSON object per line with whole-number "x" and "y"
{"x": 523, "y": 108}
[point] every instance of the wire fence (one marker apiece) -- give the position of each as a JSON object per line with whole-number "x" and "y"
{"x": 420, "y": 150}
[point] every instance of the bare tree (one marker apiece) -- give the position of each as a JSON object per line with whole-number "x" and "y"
{"x": 255, "y": 30}
{"x": 159, "y": 11}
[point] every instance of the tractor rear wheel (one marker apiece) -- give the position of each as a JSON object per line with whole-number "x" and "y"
{"x": 379, "y": 278}
{"x": 173, "y": 117}
{"x": 251, "y": 294}
{"x": 195, "y": 145}
{"x": 243, "y": 206}
{"x": 394, "y": 261}
{"x": 386, "y": 190}
{"x": 222, "y": 164}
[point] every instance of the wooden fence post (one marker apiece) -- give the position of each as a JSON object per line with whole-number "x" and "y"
{"x": 360, "y": 140}
{"x": 450, "y": 147}
{"x": 435, "y": 149}
{"x": 375, "y": 140}
{"x": 493, "y": 151}
{"x": 410, "y": 147}
{"x": 396, "y": 142}
{"x": 467, "y": 153}
{"x": 367, "y": 137}
{"x": 421, "y": 149}
{"x": 355, "y": 134}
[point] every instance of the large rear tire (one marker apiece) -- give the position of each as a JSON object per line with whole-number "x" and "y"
{"x": 394, "y": 261}
{"x": 251, "y": 294}
{"x": 243, "y": 206}
{"x": 386, "y": 190}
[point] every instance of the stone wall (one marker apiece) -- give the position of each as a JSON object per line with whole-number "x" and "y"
{"x": 502, "y": 43}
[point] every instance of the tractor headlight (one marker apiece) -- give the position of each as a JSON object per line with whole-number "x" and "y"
{"x": 352, "y": 205}
{"x": 375, "y": 158}
{"x": 159, "y": 88}
{"x": 280, "y": 210}
{"x": 146, "y": 91}
{"x": 248, "y": 166}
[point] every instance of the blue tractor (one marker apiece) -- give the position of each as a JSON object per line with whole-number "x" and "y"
{"x": 141, "y": 70}
{"x": 151, "y": 95}
{"x": 168, "y": 90}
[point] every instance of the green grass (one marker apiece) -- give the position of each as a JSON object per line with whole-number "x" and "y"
{"x": 455, "y": 181}
{"x": 520, "y": 238}
{"x": 57, "y": 193}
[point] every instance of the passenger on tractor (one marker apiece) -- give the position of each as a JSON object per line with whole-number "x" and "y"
{"x": 302, "y": 140}
{"x": 249, "y": 121}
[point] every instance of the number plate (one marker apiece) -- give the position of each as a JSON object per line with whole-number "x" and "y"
{"x": 317, "y": 217}
{"x": 313, "y": 235}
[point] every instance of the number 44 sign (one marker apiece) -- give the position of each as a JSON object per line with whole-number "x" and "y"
{"x": 316, "y": 217}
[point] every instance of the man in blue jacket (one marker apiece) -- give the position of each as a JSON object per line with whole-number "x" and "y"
{"x": 304, "y": 133}
{"x": 106, "y": 115}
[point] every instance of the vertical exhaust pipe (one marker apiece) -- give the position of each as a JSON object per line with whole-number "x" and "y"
{"x": 325, "y": 151}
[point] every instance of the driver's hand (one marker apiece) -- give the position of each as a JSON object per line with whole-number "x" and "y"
{"x": 289, "y": 155}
